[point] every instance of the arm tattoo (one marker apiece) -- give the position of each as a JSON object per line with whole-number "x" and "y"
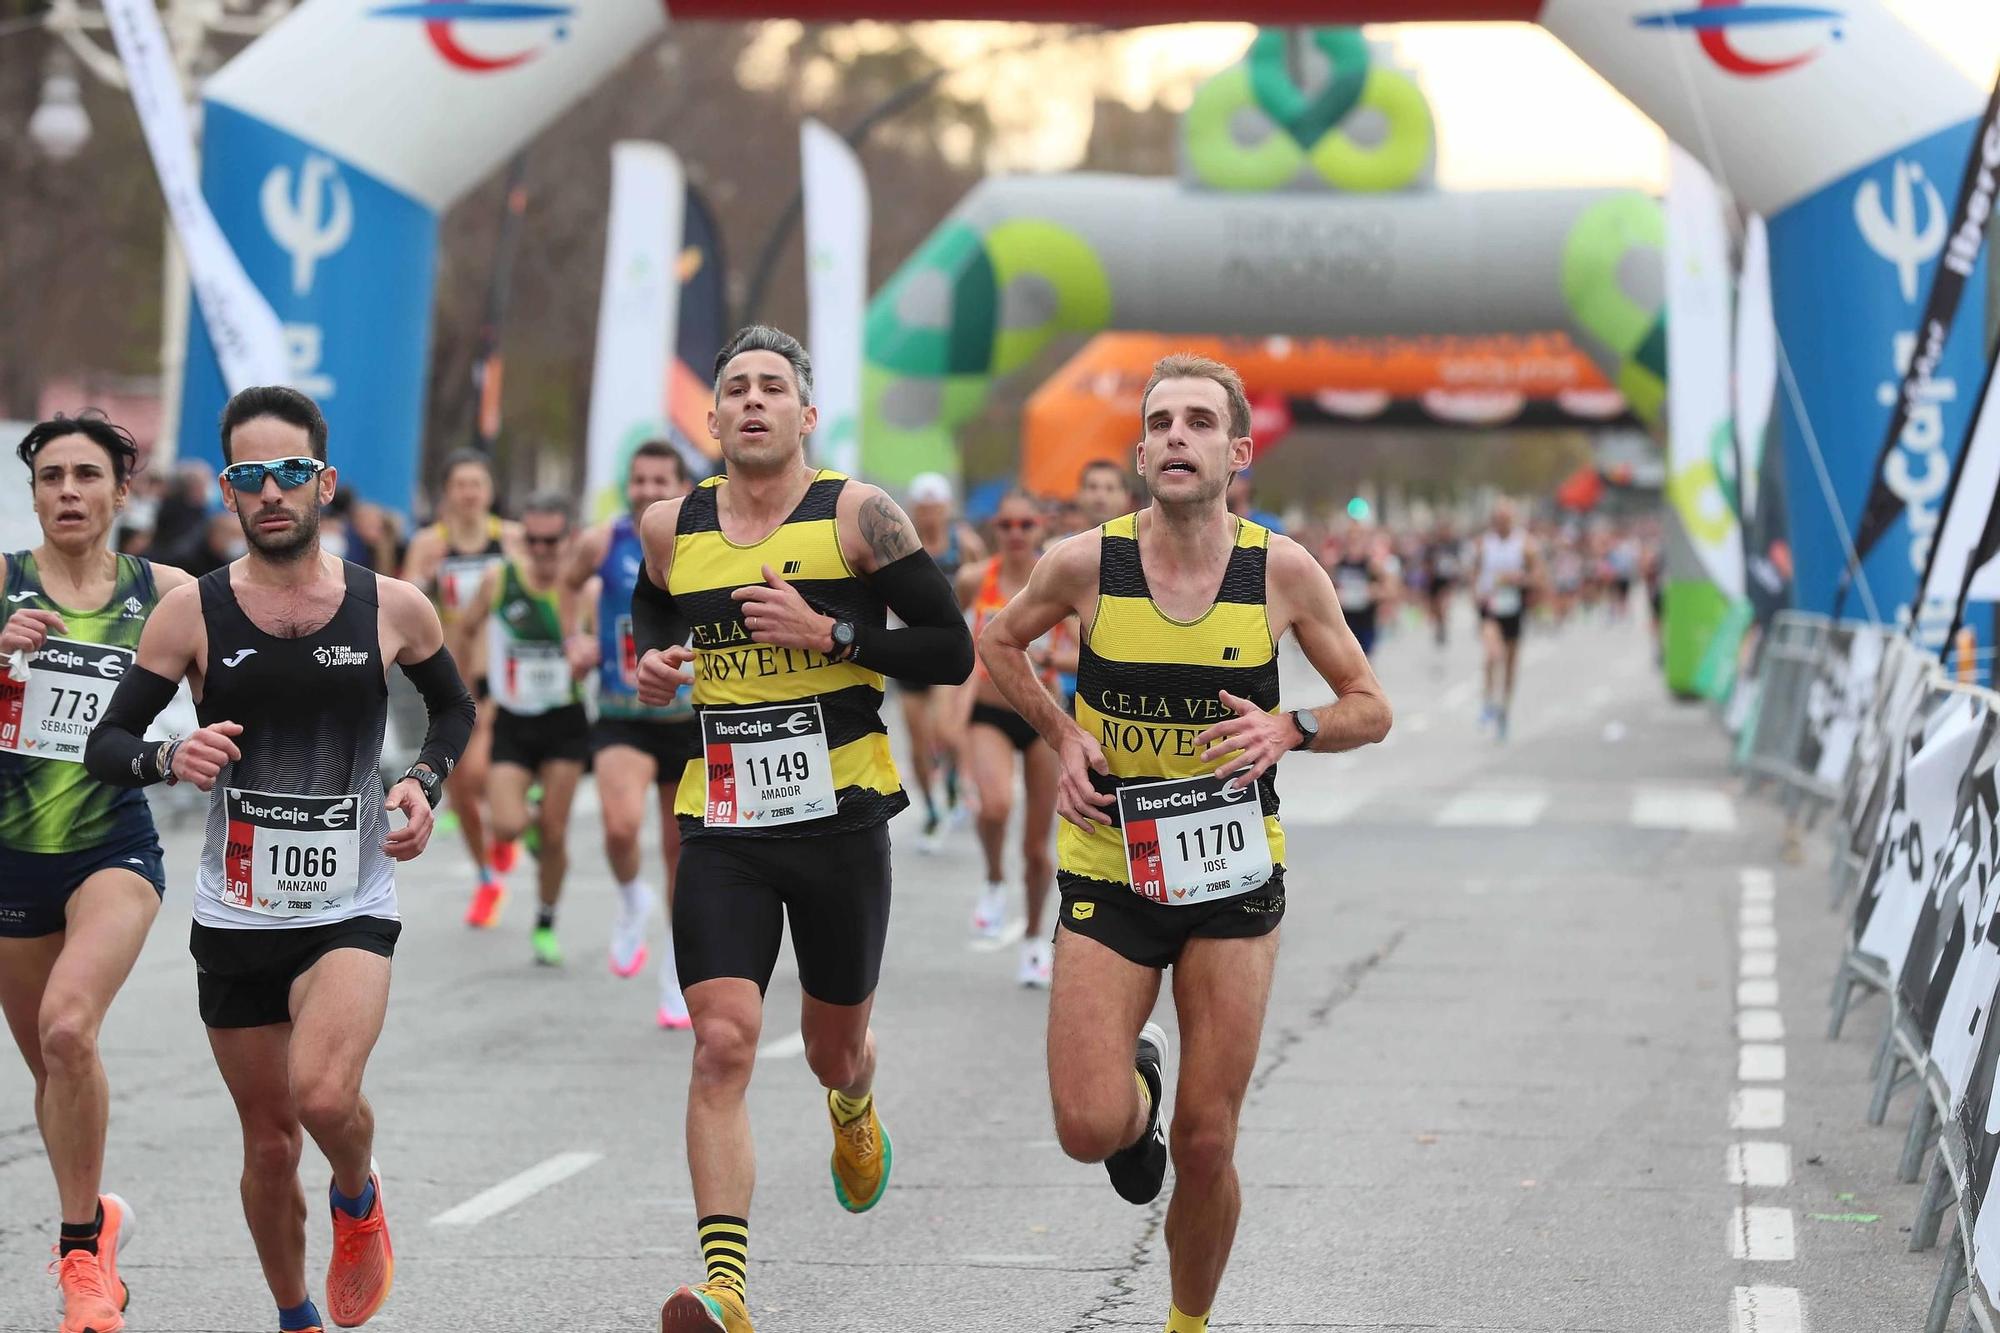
{"x": 885, "y": 529}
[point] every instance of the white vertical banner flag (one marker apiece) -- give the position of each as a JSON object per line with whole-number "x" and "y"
{"x": 836, "y": 195}
{"x": 249, "y": 340}
{"x": 1701, "y": 442}
{"x": 637, "y": 316}
{"x": 1756, "y": 361}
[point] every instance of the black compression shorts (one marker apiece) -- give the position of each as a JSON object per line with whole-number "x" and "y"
{"x": 732, "y": 895}
{"x": 243, "y": 978}
{"x": 531, "y": 740}
{"x": 671, "y": 744}
{"x": 1008, "y": 723}
{"x": 1152, "y": 934}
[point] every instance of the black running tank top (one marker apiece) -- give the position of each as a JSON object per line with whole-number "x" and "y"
{"x": 295, "y": 827}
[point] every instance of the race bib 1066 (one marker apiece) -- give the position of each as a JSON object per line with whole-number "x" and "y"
{"x": 50, "y": 714}
{"x": 1193, "y": 840}
{"x": 291, "y": 855}
{"x": 766, "y": 766}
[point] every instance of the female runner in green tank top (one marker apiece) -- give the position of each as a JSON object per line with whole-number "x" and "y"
{"x": 81, "y": 877}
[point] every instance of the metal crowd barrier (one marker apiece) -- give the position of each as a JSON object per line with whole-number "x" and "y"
{"x": 1858, "y": 721}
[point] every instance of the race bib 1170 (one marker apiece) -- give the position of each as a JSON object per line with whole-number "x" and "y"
{"x": 1194, "y": 840}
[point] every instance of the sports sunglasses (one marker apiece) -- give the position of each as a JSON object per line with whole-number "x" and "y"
{"x": 291, "y": 473}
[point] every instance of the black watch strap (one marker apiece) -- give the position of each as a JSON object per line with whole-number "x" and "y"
{"x": 432, "y": 784}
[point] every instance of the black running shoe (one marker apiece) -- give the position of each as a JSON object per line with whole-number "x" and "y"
{"x": 1138, "y": 1172}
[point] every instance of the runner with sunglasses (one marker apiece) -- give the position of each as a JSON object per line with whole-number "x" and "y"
{"x": 81, "y": 876}
{"x": 996, "y": 734}
{"x": 450, "y": 559}
{"x": 633, "y": 747}
{"x": 287, "y": 650}
{"x": 540, "y": 733}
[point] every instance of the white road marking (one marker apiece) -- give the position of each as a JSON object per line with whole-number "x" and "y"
{"x": 1759, "y": 1062}
{"x": 1763, "y": 1235}
{"x": 1761, "y": 963}
{"x": 516, "y": 1189}
{"x": 1757, "y": 939}
{"x": 1760, "y": 1165}
{"x": 1767, "y": 1310}
{"x": 783, "y": 1048}
{"x": 1691, "y": 809}
{"x": 1760, "y": 1025}
{"x": 1757, "y": 1108}
{"x": 1460, "y": 693}
{"x": 1758, "y": 885}
{"x": 1011, "y": 933}
{"x": 1324, "y": 805}
{"x": 1757, "y": 993}
{"x": 1492, "y": 809}
{"x": 1756, "y": 914}
{"x": 1416, "y": 724}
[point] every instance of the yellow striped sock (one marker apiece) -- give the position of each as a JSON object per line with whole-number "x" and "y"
{"x": 1177, "y": 1322}
{"x": 725, "y": 1248}
{"x": 847, "y": 1109}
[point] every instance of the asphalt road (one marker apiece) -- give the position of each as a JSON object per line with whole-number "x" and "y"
{"x": 1496, "y": 1091}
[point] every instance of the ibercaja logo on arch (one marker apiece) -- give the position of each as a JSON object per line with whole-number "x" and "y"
{"x": 485, "y": 36}
{"x": 1749, "y": 39}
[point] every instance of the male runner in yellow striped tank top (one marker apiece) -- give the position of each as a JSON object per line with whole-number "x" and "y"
{"x": 782, "y": 575}
{"x": 1171, "y": 854}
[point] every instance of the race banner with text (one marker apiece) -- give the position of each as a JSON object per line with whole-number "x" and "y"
{"x": 1915, "y": 412}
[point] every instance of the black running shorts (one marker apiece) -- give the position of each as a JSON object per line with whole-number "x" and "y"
{"x": 531, "y": 740}
{"x": 1008, "y": 723}
{"x": 1510, "y": 626}
{"x": 671, "y": 744}
{"x": 732, "y": 895}
{"x": 1152, "y": 934}
{"x": 243, "y": 978}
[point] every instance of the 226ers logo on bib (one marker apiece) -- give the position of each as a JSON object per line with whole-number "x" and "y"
{"x": 291, "y": 856}
{"x": 50, "y": 714}
{"x": 766, "y": 766}
{"x": 1193, "y": 840}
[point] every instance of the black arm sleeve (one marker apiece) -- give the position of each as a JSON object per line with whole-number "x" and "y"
{"x": 452, "y": 712}
{"x": 933, "y": 646}
{"x": 657, "y": 621}
{"x": 118, "y": 752}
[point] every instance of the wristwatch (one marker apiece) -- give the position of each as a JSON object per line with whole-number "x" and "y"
{"x": 843, "y": 640}
{"x": 1307, "y": 722}
{"x": 432, "y": 784}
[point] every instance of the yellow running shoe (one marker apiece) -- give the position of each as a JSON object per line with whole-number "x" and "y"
{"x": 704, "y": 1309}
{"x": 862, "y": 1156}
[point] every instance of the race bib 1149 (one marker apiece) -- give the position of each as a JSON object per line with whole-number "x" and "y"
{"x": 766, "y": 766}
{"x": 1194, "y": 840}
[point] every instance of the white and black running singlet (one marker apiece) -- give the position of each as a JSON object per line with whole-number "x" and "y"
{"x": 295, "y": 827}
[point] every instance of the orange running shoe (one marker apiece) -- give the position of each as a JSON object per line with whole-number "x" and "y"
{"x": 363, "y": 1266}
{"x": 503, "y": 856}
{"x": 706, "y": 1308}
{"x": 484, "y": 910}
{"x": 88, "y": 1306}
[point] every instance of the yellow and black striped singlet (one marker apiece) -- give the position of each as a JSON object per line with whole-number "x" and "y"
{"x": 1147, "y": 684}
{"x": 730, "y": 670}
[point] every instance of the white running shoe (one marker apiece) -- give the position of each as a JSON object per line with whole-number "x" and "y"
{"x": 673, "y": 1014}
{"x": 1037, "y": 965}
{"x": 989, "y": 914}
{"x": 628, "y": 934}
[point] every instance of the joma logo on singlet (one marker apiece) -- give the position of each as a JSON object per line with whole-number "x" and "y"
{"x": 339, "y": 657}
